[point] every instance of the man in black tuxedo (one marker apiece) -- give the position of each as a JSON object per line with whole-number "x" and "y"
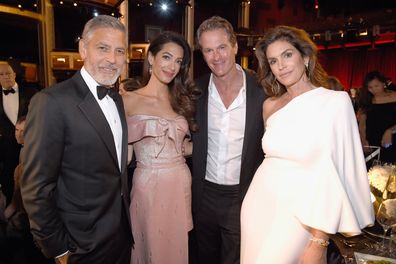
{"x": 14, "y": 100}
{"x": 227, "y": 148}
{"x": 74, "y": 184}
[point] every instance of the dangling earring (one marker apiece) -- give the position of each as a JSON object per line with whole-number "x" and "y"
{"x": 150, "y": 68}
{"x": 307, "y": 71}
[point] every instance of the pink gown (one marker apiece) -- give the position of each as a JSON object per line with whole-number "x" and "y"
{"x": 160, "y": 207}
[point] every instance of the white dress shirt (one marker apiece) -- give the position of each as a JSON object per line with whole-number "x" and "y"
{"x": 11, "y": 104}
{"x": 109, "y": 110}
{"x": 226, "y": 129}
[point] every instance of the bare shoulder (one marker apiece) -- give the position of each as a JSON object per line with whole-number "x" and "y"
{"x": 270, "y": 102}
{"x": 270, "y": 106}
{"x": 129, "y": 97}
{"x": 131, "y": 102}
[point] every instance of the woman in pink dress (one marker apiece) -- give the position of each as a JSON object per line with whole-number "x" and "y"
{"x": 160, "y": 116}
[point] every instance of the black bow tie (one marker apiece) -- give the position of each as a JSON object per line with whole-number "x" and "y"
{"x": 103, "y": 90}
{"x": 6, "y": 92}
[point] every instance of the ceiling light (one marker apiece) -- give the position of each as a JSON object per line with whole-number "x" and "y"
{"x": 164, "y": 7}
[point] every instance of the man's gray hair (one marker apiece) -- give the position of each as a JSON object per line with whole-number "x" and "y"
{"x": 102, "y": 21}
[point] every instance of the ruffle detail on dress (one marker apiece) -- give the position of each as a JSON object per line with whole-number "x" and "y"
{"x": 158, "y": 128}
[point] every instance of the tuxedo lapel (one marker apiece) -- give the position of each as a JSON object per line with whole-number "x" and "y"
{"x": 92, "y": 111}
{"x": 124, "y": 150}
{"x": 96, "y": 118}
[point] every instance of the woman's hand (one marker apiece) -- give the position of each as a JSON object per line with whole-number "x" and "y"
{"x": 187, "y": 147}
{"x": 62, "y": 259}
{"x": 386, "y": 141}
{"x": 314, "y": 254}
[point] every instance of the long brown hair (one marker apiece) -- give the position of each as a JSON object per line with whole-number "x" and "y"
{"x": 301, "y": 41}
{"x": 183, "y": 91}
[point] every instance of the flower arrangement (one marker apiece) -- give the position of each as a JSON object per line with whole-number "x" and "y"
{"x": 378, "y": 178}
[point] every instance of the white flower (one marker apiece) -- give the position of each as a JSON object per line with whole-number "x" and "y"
{"x": 378, "y": 177}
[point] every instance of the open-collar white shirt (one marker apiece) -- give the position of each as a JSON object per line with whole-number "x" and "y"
{"x": 109, "y": 110}
{"x": 226, "y": 129}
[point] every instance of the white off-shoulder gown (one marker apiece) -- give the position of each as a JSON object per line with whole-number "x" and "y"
{"x": 313, "y": 175}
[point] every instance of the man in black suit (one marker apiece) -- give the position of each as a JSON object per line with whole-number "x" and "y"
{"x": 74, "y": 184}
{"x": 14, "y": 100}
{"x": 227, "y": 148}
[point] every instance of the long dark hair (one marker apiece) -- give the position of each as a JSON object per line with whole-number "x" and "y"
{"x": 183, "y": 91}
{"x": 301, "y": 41}
{"x": 365, "y": 97}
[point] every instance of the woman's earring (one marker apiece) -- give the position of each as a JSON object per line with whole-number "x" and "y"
{"x": 307, "y": 70}
{"x": 150, "y": 68}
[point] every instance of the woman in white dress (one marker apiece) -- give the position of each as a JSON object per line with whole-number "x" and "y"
{"x": 313, "y": 180}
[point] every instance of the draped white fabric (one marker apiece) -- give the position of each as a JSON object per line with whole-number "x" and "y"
{"x": 314, "y": 175}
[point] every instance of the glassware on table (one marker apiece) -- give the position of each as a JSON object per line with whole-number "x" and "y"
{"x": 392, "y": 242}
{"x": 386, "y": 214}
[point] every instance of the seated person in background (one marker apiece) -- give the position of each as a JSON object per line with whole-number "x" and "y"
{"x": 377, "y": 115}
{"x": 334, "y": 84}
{"x": 353, "y": 94}
{"x": 17, "y": 245}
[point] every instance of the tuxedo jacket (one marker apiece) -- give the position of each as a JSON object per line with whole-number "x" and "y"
{"x": 252, "y": 153}
{"x": 73, "y": 190}
{"x": 7, "y": 128}
{"x": 9, "y": 148}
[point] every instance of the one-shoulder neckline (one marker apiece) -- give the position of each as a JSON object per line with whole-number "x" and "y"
{"x": 292, "y": 101}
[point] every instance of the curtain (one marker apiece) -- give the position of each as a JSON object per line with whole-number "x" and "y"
{"x": 350, "y": 65}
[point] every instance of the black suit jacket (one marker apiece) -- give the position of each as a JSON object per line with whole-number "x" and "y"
{"x": 252, "y": 153}
{"x": 73, "y": 190}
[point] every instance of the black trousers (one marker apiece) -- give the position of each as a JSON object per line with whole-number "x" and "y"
{"x": 9, "y": 159}
{"x": 217, "y": 227}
